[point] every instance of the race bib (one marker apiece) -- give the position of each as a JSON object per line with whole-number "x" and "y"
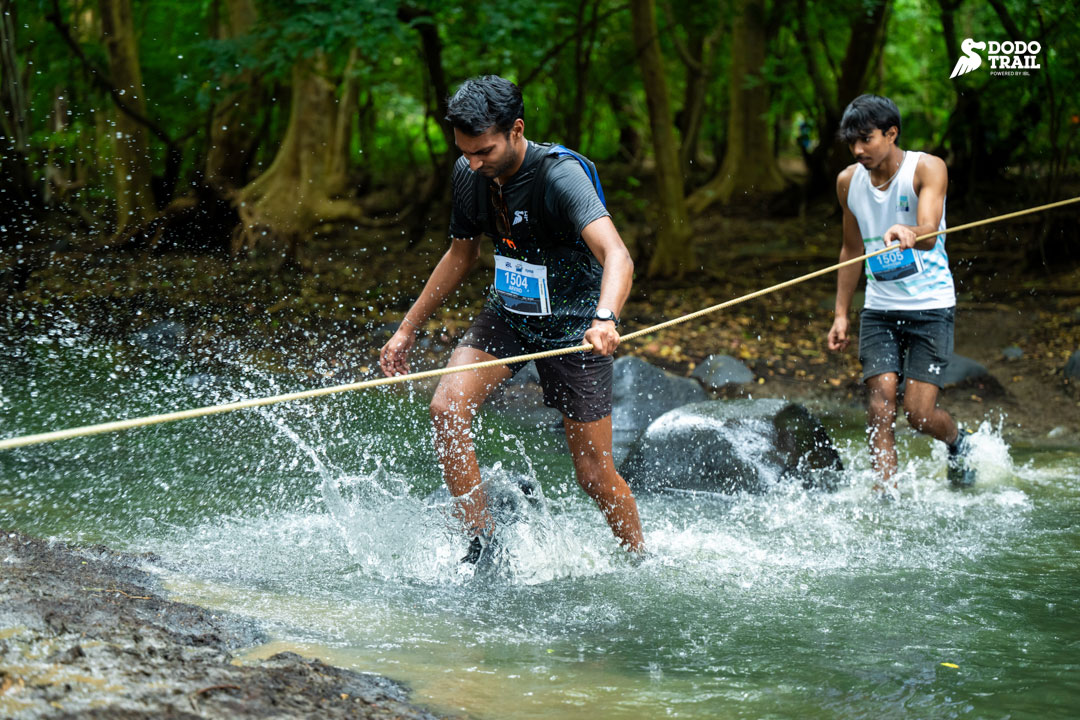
{"x": 522, "y": 286}
{"x": 892, "y": 265}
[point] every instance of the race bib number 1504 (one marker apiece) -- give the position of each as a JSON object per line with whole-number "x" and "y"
{"x": 522, "y": 286}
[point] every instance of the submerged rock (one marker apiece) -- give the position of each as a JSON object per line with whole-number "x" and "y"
{"x": 1072, "y": 367}
{"x": 87, "y": 633}
{"x": 962, "y": 369}
{"x": 643, "y": 392}
{"x": 718, "y": 371}
{"x": 163, "y": 338}
{"x": 731, "y": 446}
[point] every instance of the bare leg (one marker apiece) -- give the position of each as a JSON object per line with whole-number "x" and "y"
{"x": 920, "y": 406}
{"x": 590, "y": 446}
{"x": 881, "y": 423}
{"x": 457, "y": 400}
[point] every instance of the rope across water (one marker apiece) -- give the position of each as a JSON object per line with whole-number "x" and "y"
{"x": 86, "y": 430}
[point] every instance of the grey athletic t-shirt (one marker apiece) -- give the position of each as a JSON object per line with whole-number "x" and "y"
{"x": 550, "y": 286}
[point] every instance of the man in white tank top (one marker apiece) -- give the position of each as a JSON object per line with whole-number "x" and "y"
{"x": 890, "y": 197}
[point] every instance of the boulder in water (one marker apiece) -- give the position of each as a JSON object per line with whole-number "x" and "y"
{"x": 729, "y": 446}
{"x": 643, "y": 392}
{"x": 1072, "y": 367}
{"x": 717, "y": 371}
{"x": 962, "y": 369}
{"x": 163, "y": 338}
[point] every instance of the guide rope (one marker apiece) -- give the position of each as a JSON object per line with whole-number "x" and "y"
{"x": 86, "y": 430}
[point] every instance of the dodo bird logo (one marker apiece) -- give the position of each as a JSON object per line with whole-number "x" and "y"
{"x": 970, "y": 59}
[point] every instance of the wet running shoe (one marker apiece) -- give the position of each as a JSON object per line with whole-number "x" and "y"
{"x": 961, "y": 473}
{"x": 481, "y": 550}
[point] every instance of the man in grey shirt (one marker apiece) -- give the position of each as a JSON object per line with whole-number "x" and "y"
{"x": 562, "y": 275}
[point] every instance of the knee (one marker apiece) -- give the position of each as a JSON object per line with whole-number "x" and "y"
{"x": 918, "y": 417}
{"x": 448, "y": 414}
{"x": 605, "y": 487}
{"x": 882, "y": 405}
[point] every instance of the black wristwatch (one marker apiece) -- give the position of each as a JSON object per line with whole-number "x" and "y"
{"x": 605, "y": 314}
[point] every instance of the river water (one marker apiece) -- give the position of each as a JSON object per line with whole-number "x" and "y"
{"x": 315, "y": 518}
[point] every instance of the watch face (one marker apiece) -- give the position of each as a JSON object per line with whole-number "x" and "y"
{"x": 604, "y": 314}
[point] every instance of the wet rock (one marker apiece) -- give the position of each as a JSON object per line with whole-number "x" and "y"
{"x": 966, "y": 373}
{"x": 200, "y": 381}
{"x": 164, "y": 338}
{"x": 88, "y": 633}
{"x": 1072, "y": 367}
{"x": 1013, "y": 352}
{"x": 643, "y": 392}
{"x": 729, "y": 446}
{"x": 717, "y": 371}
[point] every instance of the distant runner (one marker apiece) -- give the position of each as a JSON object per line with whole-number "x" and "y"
{"x": 906, "y": 328}
{"x": 562, "y": 275}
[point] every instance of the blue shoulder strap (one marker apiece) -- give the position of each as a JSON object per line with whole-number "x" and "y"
{"x": 586, "y": 165}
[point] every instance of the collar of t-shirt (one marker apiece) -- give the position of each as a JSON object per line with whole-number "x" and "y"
{"x": 524, "y": 174}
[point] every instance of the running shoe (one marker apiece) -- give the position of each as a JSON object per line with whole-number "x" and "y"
{"x": 960, "y": 472}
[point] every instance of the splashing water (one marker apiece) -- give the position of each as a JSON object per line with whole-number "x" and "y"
{"x": 326, "y": 522}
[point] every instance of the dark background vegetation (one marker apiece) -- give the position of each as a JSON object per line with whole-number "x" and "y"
{"x": 282, "y": 165}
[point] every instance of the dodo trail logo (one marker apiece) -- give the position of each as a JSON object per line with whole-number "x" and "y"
{"x": 1012, "y": 57}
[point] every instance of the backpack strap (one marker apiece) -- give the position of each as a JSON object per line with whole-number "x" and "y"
{"x": 481, "y": 203}
{"x": 553, "y": 152}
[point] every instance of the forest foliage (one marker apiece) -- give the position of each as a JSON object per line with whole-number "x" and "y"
{"x": 256, "y": 123}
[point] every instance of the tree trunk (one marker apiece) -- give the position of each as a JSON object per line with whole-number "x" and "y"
{"x": 16, "y": 188}
{"x": 673, "y": 252}
{"x": 131, "y": 164}
{"x": 749, "y": 167}
{"x": 302, "y": 187}
{"x": 867, "y": 34}
{"x": 233, "y": 131}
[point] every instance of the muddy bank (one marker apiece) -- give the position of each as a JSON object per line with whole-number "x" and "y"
{"x": 86, "y": 632}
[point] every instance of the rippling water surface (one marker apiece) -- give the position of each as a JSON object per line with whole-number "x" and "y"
{"x": 316, "y": 518}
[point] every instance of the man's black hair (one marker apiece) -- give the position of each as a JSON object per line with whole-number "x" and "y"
{"x": 865, "y": 113}
{"x": 483, "y": 102}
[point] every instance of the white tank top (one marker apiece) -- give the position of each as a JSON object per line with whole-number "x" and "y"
{"x": 909, "y": 280}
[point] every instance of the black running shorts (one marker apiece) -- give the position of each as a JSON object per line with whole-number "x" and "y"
{"x": 916, "y": 344}
{"x": 577, "y": 384}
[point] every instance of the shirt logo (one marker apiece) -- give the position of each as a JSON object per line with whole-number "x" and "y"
{"x": 903, "y": 205}
{"x": 520, "y": 216}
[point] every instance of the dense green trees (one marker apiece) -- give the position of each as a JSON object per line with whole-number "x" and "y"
{"x": 288, "y": 117}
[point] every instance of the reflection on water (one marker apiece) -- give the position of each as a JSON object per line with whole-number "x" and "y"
{"x": 319, "y": 519}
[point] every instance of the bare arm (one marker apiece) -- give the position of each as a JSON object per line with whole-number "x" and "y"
{"x": 847, "y": 278}
{"x": 608, "y": 247}
{"x": 931, "y": 182}
{"x": 448, "y": 274}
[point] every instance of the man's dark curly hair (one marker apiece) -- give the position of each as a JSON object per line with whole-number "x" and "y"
{"x": 865, "y": 113}
{"x": 483, "y": 102}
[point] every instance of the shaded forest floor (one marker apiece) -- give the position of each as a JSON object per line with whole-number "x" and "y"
{"x": 329, "y": 319}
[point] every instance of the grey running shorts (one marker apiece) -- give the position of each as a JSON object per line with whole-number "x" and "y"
{"x": 915, "y": 344}
{"x": 578, "y": 384}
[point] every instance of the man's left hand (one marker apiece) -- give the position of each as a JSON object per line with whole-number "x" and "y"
{"x": 603, "y": 337}
{"x": 902, "y": 234}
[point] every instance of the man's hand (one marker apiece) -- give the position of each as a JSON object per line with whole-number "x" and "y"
{"x": 838, "y": 334}
{"x": 603, "y": 337}
{"x": 902, "y": 234}
{"x": 394, "y": 356}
